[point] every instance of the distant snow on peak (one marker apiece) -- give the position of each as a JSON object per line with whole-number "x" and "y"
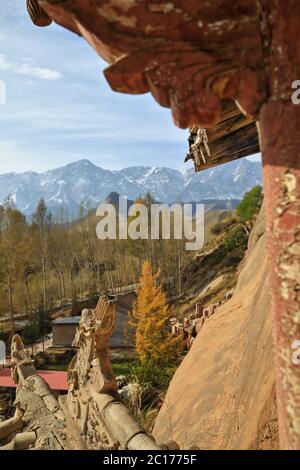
{"x": 83, "y": 182}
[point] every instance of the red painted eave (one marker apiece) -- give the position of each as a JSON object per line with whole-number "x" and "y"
{"x": 57, "y": 380}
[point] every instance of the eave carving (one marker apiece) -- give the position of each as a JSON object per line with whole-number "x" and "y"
{"x": 189, "y": 54}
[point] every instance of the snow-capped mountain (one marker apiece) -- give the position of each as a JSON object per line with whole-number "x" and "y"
{"x": 83, "y": 182}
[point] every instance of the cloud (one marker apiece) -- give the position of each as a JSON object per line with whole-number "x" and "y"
{"x": 19, "y": 156}
{"x": 12, "y": 9}
{"x": 29, "y": 70}
{"x": 59, "y": 107}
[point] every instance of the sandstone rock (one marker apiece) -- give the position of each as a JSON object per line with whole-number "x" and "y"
{"x": 232, "y": 394}
{"x": 213, "y": 286}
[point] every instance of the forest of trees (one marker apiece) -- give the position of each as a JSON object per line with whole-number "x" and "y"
{"x": 47, "y": 263}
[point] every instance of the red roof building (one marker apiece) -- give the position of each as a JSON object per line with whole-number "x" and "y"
{"x": 57, "y": 380}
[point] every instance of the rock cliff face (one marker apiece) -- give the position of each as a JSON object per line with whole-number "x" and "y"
{"x": 222, "y": 395}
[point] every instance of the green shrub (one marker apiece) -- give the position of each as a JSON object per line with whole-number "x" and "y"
{"x": 44, "y": 322}
{"x": 236, "y": 238}
{"x": 31, "y": 331}
{"x": 250, "y": 204}
{"x": 215, "y": 258}
{"x": 217, "y": 228}
{"x": 222, "y": 226}
{"x": 121, "y": 368}
{"x": 149, "y": 374}
{"x": 233, "y": 258}
{"x": 41, "y": 359}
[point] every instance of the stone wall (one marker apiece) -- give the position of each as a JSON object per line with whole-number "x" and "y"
{"x": 63, "y": 335}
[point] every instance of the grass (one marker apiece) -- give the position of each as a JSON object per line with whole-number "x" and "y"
{"x": 118, "y": 368}
{"x": 122, "y": 368}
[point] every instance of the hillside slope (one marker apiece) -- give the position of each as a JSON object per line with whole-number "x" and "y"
{"x": 222, "y": 395}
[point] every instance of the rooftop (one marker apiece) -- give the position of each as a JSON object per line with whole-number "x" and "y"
{"x": 67, "y": 321}
{"x": 57, "y": 380}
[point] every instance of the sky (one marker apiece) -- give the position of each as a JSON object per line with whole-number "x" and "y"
{"x": 60, "y": 109}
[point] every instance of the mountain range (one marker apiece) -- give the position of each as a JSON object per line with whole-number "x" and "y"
{"x": 83, "y": 182}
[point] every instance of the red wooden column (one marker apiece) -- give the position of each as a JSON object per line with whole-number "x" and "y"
{"x": 279, "y": 124}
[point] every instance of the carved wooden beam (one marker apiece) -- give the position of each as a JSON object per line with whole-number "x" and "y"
{"x": 21, "y": 364}
{"x": 21, "y": 441}
{"x": 188, "y": 54}
{"x": 36, "y": 406}
{"x": 238, "y": 144}
{"x": 10, "y": 426}
{"x": 163, "y": 47}
{"x": 93, "y": 403}
{"x": 38, "y": 16}
{"x": 92, "y": 415}
{"x": 234, "y": 137}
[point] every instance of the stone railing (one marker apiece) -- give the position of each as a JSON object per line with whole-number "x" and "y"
{"x": 189, "y": 327}
{"x": 91, "y": 415}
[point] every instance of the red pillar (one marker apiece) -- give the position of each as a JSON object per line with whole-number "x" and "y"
{"x": 279, "y": 125}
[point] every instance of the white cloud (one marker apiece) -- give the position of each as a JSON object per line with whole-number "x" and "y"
{"x": 28, "y": 69}
{"x": 84, "y": 121}
{"x": 60, "y": 108}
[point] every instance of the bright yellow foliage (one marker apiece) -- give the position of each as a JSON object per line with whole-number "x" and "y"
{"x": 153, "y": 340}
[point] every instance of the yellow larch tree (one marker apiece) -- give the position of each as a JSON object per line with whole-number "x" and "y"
{"x": 153, "y": 340}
